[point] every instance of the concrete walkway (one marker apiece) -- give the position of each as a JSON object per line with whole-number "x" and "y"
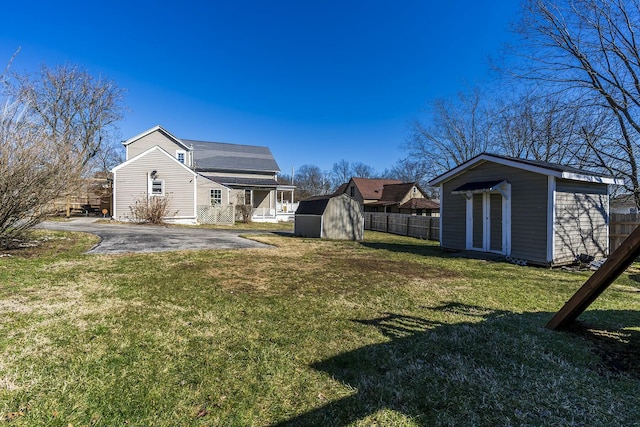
{"x": 123, "y": 238}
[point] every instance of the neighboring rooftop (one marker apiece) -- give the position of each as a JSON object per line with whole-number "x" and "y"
{"x": 371, "y": 188}
{"x": 396, "y": 192}
{"x": 420, "y": 203}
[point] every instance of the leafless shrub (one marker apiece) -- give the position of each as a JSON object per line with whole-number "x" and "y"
{"x": 151, "y": 210}
{"x": 33, "y": 171}
{"x": 51, "y": 126}
{"x": 244, "y": 212}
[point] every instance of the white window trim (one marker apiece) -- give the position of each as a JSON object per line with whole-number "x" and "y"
{"x": 150, "y": 187}
{"x": 184, "y": 153}
{"x": 211, "y": 197}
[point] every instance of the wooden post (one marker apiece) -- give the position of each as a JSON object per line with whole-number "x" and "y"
{"x": 613, "y": 267}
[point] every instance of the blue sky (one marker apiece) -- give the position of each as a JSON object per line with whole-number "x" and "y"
{"x": 316, "y": 81}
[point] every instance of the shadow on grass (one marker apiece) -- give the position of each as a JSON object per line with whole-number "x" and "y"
{"x": 432, "y": 251}
{"x": 496, "y": 367}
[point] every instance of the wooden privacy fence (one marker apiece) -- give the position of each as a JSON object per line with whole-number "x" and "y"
{"x": 422, "y": 227}
{"x": 428, "y": 227}
{"x": 621, "y": 226}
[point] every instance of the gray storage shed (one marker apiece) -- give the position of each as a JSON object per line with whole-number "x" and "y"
{"x": 540, "y": 212}
{"x": 330, "y": 217}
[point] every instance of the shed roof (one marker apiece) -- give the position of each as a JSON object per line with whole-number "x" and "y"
{"x": 313, "y": 205}
{"x": 544, "y": 168}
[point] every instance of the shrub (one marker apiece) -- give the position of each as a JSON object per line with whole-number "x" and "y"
{"x": 151, "y": 210}
{"x": 244, "y": 212}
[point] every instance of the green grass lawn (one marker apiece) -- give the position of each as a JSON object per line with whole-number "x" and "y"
{"x": 388, "y": 332}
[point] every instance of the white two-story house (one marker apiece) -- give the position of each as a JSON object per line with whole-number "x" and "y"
{"x": 203, "y": 181}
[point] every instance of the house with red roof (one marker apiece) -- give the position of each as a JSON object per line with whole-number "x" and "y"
{"x": 390, "y": 196}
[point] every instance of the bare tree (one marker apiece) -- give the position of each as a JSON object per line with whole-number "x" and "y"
{"x": 542, "y": 127}
{"x": 284, "y": 179}
{"x": 341, "y": 172}
{"x": 50, "y": 129}
{"x": 311, "y": 181}
{"x": 33, "y": 171}
{"x": 76, "y": 109}
{"x": 362, "y": 170}
{"x": 410, "y": 170}
{"x": 587, "y": 51}
{"x": 455, "y": 132}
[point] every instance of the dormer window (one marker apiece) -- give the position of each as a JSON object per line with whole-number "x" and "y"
{"x": 181, "y": 156}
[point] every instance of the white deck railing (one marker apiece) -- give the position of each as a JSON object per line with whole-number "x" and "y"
{"x": 282, "y": 212}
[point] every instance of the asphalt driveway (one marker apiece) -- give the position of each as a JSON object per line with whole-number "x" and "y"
{"x": 123, "y": 238}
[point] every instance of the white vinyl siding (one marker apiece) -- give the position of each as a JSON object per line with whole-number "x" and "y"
{"x": 161, "y": 140}
{"x": 205, "y": 192}
{"x": 181, "y": 155}
{"x": 156, "y": 187}
{"x": 215, "y": 197}
{"x": 132, "y": 181}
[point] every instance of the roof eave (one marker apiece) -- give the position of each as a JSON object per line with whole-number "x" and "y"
{"x": 592, "y": 178}
{"x": 205, "y": 169}
{"x": 481, "y": 158}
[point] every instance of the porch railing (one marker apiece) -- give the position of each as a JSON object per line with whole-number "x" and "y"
{"x": 263, "y": 213}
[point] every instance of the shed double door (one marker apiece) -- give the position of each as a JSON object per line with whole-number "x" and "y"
{"x": 486, "y": 222}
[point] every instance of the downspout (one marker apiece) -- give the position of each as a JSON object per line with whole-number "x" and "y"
{"x": 551, "y": 219}
{"x": 113, "y": 197}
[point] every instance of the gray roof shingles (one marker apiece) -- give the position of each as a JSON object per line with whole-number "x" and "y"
{"x": 220, "y": 156}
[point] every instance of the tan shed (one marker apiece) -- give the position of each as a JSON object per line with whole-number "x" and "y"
{"x": 330, "y": 217}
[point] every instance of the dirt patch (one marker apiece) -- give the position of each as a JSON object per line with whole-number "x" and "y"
{"x": 39, "y": 243}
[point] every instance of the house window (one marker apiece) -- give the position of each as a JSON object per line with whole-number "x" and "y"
{"x": 157, "y": 187}
{"x": 215, "y": 197}
{"x": 352, "y": 191}
{"x": 180, "y": 155}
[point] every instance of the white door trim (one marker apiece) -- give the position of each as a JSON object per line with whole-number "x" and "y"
{"x": 505, "y": 192}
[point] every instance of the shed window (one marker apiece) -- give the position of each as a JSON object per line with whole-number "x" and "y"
{"x": 215, "y": 197}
